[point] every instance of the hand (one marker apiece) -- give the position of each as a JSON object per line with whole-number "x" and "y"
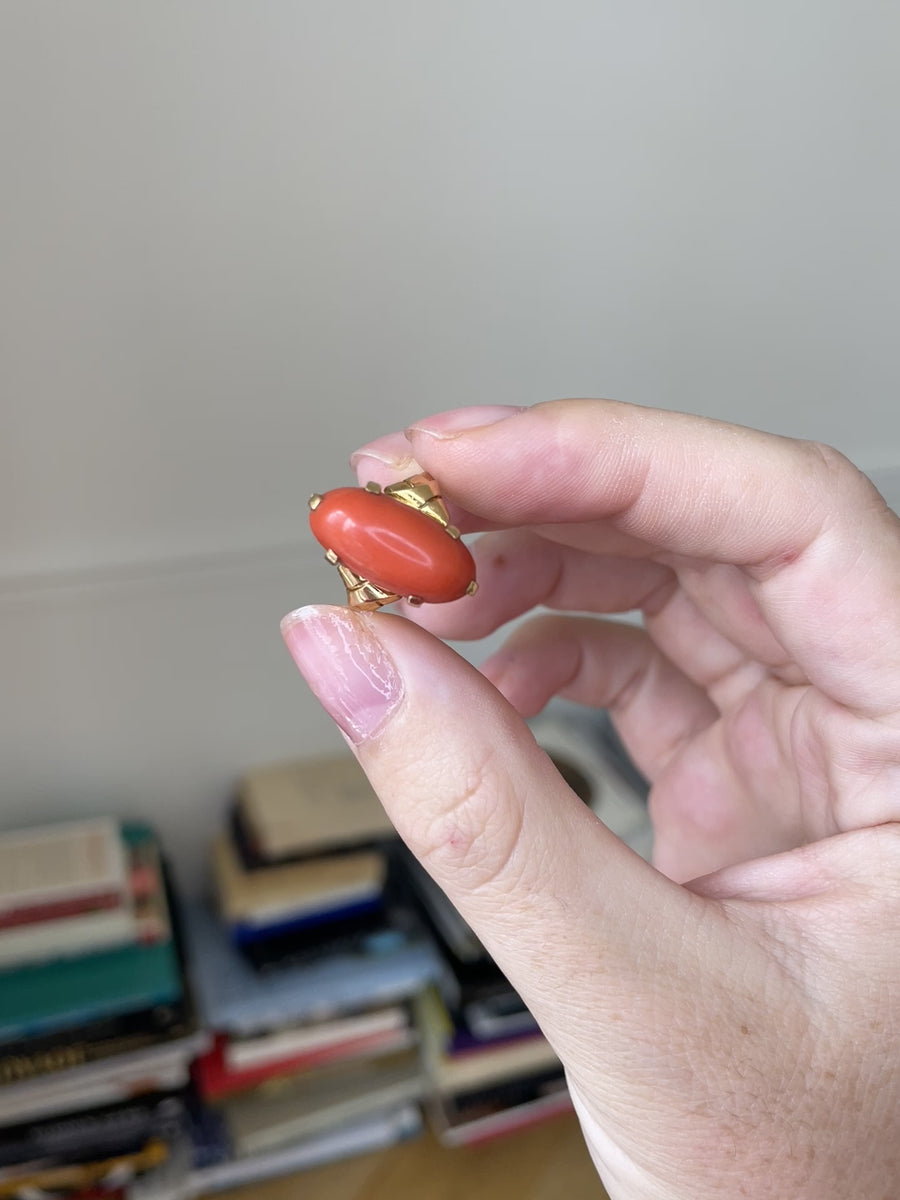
{"x": 734, "y": 1035}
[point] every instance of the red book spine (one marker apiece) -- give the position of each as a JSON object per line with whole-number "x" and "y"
{"x": 216, "y": 1081}
{"x": 55, "y": 910}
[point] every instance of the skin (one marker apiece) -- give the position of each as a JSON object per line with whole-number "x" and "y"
{"x": 728, "y": 1018}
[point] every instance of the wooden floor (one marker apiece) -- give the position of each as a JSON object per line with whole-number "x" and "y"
{"x": 543, "y": 1163}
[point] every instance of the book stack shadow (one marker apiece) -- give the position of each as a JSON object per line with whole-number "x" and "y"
{"x": 307, "y": 964}
{"x": 97, "y": 1027}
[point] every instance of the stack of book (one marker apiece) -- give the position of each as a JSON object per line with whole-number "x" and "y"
{"x": 490, "y": 1068}
{"x": 97, "y": 1030}
{"x": 305, "y": 968}
{"x": 484, "y": 1087}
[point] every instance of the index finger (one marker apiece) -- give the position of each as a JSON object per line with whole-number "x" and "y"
{"x": 684, "y": 484}
{"x": 818, "y": 545}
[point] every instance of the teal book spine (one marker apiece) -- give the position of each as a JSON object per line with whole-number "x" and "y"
{"x": 38, "y": 999}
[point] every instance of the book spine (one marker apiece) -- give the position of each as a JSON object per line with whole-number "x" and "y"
{"x": 97, "y": 1133}
{"x": 55, "y": 910}
{"x": 244, "y": 932}
{"x": 160, "y": 993}
{"x": 61, "y": 863}
{"x": 16, "y": 1068}
{"x": 78, "y": 1176}
{"x": 357, "y": 1137}
{"x": 216, "y": 1081}
{"x": 68, "y": 937}
{"x": 28, "y": 1057}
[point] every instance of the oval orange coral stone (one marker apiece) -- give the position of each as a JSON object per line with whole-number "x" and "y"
{"x": 392, "y": 545}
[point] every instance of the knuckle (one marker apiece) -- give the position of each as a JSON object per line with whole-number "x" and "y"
{"x": 837, "y": 476}
{"x": 474, "y": 835}
{"x": 545, "y": 629}
{"x": 827, "y": 458}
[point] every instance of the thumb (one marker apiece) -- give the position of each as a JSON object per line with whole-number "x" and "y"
{"x": 708, "y": 1048}
{"x": 580, "y": 924}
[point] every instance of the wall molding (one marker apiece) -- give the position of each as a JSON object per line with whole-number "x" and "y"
{"x": 298, "y": 556}
{"x": 35, "y": 586}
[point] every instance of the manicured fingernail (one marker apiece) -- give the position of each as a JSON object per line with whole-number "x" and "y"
{"x": 345, "y": 665}
{"x": 455, "y": 421}
{"x": 392, "y": 450}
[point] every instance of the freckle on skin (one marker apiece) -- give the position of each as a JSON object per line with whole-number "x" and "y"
{"x": 500, "y": 561}
{"x": 744, "y": 1029}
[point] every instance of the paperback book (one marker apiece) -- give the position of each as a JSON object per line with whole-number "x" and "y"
{"x": 451, "y": 1071}
{"x": 297, "y": 809}
{"x": 318, "y": 1101}
{"x": 469, "y": 1118}
{"x": 237, "y": 999}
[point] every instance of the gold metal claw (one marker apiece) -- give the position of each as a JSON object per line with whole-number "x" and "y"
{"x": 421, "y": 492}
{"x": 361, "y": 594}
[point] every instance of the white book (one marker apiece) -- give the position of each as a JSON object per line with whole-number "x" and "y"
{"x": 528, "y": 1056}
{"x": 154, "y": 1068}
{"x": 252, "y": 1052}
{"x": 67, "y": 937}
{"x": 269, "y": 1120}
{"x": 292, "y": 890}
{"x": 296, "y": 910}
{"x": 357, "y": 1137}
{"x": 495, "y": 1124}
{"x": 479, "y": 1068}
{"x": 175, "y": 1180}
{"x": 57, "y": 1100}
{"x": 304, "y": 806}
{"x": 59, "y": 863}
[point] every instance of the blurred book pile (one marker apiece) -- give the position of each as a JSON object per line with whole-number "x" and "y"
{"x": 97, "y": 1030}
{"x": 490, "y": 1069}
{"x": 306, "y": 966}
{"x": 323, "y": 1001}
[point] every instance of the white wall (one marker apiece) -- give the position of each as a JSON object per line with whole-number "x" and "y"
{"x": 238, "y": 239}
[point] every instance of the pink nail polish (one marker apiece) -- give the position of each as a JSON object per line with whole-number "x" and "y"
{"x": 345, "y": 665}
{"x": 455, "y": 421}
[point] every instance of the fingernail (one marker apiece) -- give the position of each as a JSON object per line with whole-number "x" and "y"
{"x": 392, "y": 450}
{"x": 455, "y": 421}
{"x": 345, "y": 665}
